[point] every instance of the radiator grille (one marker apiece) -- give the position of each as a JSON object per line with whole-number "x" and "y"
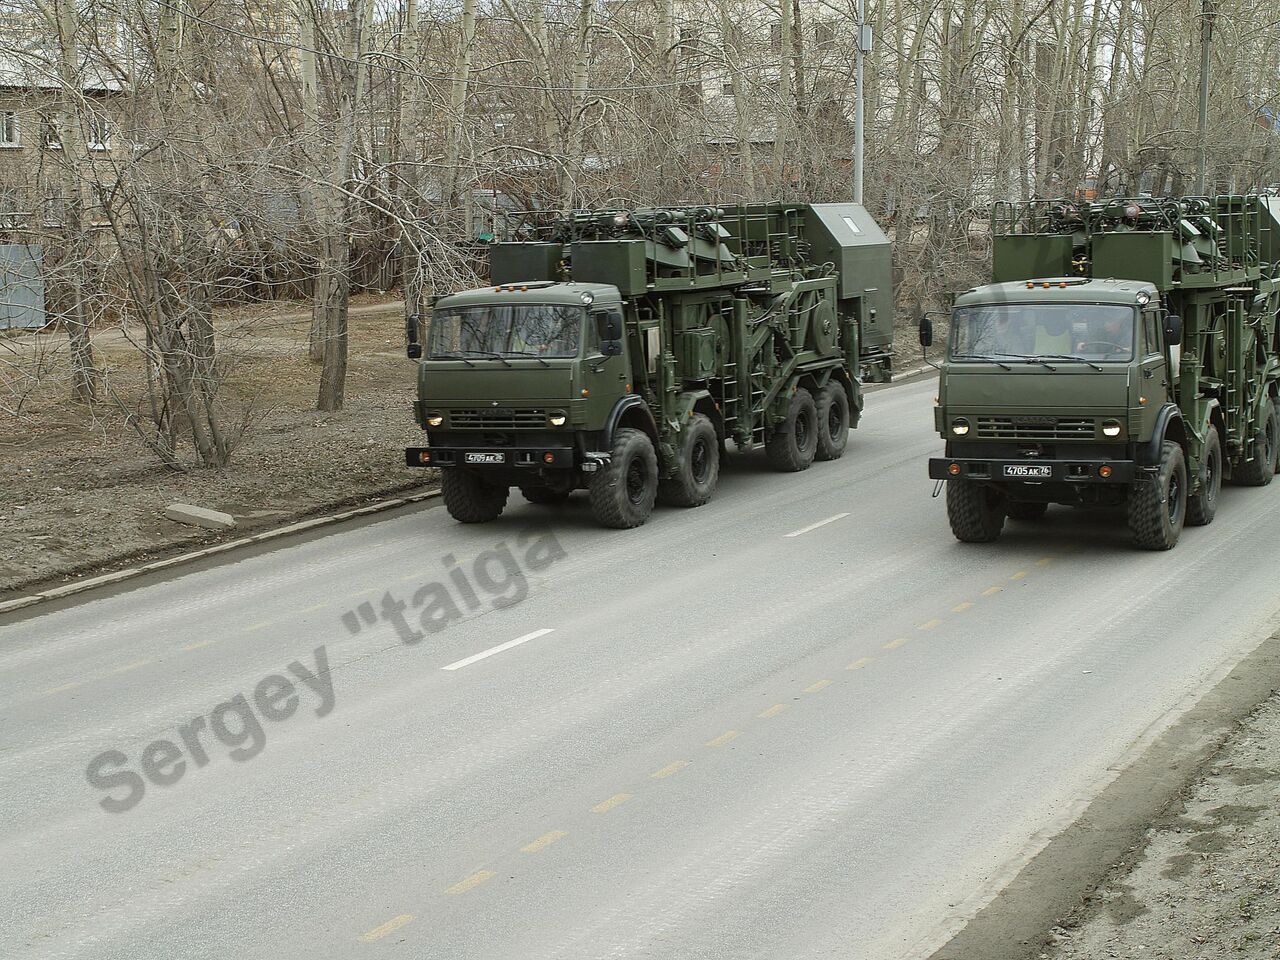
{"x": 1048, "y": 428}
{"x": 497, "y": 418}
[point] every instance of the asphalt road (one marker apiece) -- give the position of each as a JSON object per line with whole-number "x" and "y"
{"x": 801, "y": 721}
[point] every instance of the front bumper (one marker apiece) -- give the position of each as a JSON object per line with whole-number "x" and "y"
{"x": 1058, "y": 471}
{"x": 491, "y": 458}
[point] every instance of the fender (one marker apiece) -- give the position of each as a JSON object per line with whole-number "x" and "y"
{"x": 1149, "y": 452}
{"x": 624, "y": 404}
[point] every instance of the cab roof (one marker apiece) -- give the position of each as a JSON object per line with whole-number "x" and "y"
{"x": 1059, "y": 290}
{"x": 532, "y": 291}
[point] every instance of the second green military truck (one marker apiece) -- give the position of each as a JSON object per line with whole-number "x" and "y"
{"x": 618, "y": 351}
{"x": 1125, "y": 355}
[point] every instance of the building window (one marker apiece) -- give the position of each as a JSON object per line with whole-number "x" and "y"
{"x": 726, "y": 89}
{"x": 50, "y": 136}
{"x": 99, "y": 132}
{"x": 10, "y": 135}
{"x": 824, "y": 32}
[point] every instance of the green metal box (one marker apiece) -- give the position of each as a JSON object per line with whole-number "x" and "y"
{"x": 617, "y": 262}
{"x": 1031, "y": 257}
{"x": 1134, "y": 256}
{"x": 696, "y": 354}
{"x": 521, "y": 262}
{"x": 846, "y": 235}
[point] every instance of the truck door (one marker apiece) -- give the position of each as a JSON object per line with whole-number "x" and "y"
{"x": 606, "y": 378}
{"x": 1153, "y": 364}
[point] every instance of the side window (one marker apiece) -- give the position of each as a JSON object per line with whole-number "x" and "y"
{"x": 1151, "y": 333}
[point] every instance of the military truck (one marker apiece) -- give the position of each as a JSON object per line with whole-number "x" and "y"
{"x": 1125, "y": 354}
{"x": 620, "y": 350}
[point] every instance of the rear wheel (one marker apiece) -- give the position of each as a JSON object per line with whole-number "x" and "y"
{"x": 976, "y": 512}
{"x": 1204, "y": 504}
{"x": 623, "y": 490}
{"x": 468, "y": 498}
{"x": 697, "y": 468}
{"x": 1259, "y": 471}
{"x": 792, "y": 444}
{"x": 833, "y": 421}
{"x": 1027, "y": 511}
{"x": 1158, "y": 505}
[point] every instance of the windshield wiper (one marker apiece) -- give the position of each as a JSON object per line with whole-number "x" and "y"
{"x": 526, "y": 353}
{"x": 493, "y": 356}
{"x": 974, "y": 356}
{"x": 1069, "y": 356}
{"x": 451, "y": 356}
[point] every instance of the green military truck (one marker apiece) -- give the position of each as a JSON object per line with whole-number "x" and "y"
{"x": 1125, "y": 355}
{"x": 620, "y": 350}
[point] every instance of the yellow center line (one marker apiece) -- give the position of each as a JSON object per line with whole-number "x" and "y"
{"x": 815, "y": 687}
{"x": 473, "y": 881}
{"x": 133, "y": 666}
{"x": 66, "y": 686}
{"x": 197, "y": 646}
{"x": 724, "y": 738}
{"x": 544, "y": 841}
{"x": 860, "y": 663}
{"x": 991, "y": 591}
{"x": 605, "y": 806}
{"x": 930, "y": 624}
{"x": 1019, "y": 575}
{"x": 314, "y": 606}
{"x": 773, "y": 711}
{"x": 669, "y": 769}
{"x": 1044, "y": 561}
{"x": 894, "y": 644}
{"x": 377, "y": 933}
{"x": 961, "y": 607}
{"x": 258, "y": 626}
{"x": 361, "y": 593}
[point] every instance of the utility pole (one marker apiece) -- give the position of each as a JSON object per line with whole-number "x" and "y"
{"x": 1208, "y": 11}
{"x": 859, "y": 118}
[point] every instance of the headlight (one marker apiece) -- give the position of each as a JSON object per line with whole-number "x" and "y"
{"x": 434, "y": 419}
{"x": 960, "y": 426}
{"x": 557, "y": 419}
{"x": 1111, "y": 428}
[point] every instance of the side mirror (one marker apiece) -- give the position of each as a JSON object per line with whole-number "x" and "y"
{"x": 413, "y": 349}
{"x": 611, "y": 348}
{"x": 608, "y": 326}
{"x": 1172, "y": 329}
{"x": 926, "y": 332}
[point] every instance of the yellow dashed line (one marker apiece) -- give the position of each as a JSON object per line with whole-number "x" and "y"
{"x": 314, "y": 606}
{"x": 362, "y": 593}
{"x": 606, "y": 805}
{"x": 930, "y": 624}
{"x": 1019, "y": 575}
{"x": 377, "y": 933}
{"x": 773, "y": 711}
{"x": 991, "y": 591}
{"x": 197, "y": 646}
{"x": 859, "y": 663}
{"x": 473, "y": 881}
{"x": 132, "y": 666}
{"x": 257, "y": 626}
{"x": 961, "y": 607}
{"x": 1044, "y": 561}
{"x": 544, "y": 841}
{"x": 724, "y": 738}
{"x": 815, "y": 687}
{"x": 894, "y": 644}
{"x": 669, "y": 769}
{"x": 66, "y": 686}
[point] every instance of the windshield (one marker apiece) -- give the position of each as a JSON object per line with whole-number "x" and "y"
{"x": 527, "y": 330}
{"x": 1086, "y": 331}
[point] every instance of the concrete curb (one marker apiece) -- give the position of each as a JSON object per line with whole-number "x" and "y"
{"x": 117, "y": 576}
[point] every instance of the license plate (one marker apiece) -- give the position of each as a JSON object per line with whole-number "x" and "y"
{"x": 485, "y": 458}
{"x": 1036, "y": 471}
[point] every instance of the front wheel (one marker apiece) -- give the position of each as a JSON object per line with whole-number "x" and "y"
{"x": 976, "y": 512}
{"x": 1158, "y": 505}
{"x": 623, "y": 490}
{"x": 468, "y": 498}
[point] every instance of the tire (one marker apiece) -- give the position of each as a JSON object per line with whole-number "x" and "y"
{"x": 1158, "y": 509}
{"x": 697, "y": 466}
{"x": 792, "y": 444}
{"x": 468, "y": 498}
{"x": 1202, "y": 507}
{"x": 539, "y": 494}
{"x": 976, "y": 512}
{"x": 1259, "y": 471}
{"x": 1026, "y": 511}
{"x": 623, "y": 491}
{"x": 833, "y": 422}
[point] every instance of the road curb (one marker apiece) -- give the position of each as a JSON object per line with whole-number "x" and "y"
{"x": 117, "y": 576}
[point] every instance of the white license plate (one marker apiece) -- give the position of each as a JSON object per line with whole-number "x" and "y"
{"x": 484, "y": 458}
{"x": 1035, "y": 471}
